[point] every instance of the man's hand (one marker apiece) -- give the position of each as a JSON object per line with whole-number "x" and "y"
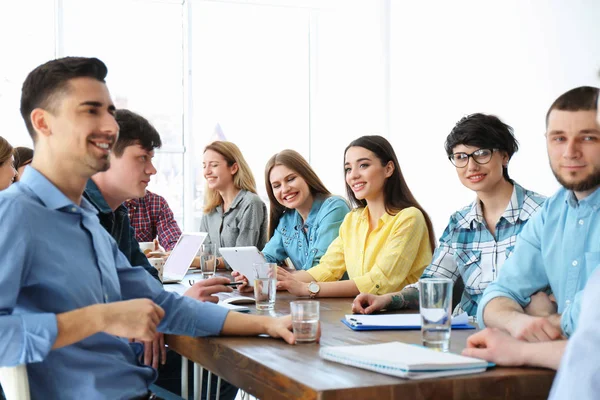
{"x": 496, "y": 346}
{"x": 136, "y": 319}
{"x": 536, "y": 329}
{"x": 154, "y": 351}
{"x": 282, "y": 328}
{"x": 294, "y": 287}
{"x": 541, "y": 305}
{"x": 366, "y": 303}
{"x": 204, "y": 290}
{"x": 244, "y": 287}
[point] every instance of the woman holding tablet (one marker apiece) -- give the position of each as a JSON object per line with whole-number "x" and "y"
{"x": 383, "y": 244}
{"x": 304, "y": 216}
{"x": 234, "y": 215}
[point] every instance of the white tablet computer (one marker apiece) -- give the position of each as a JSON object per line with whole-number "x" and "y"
{"x": 242, "y": 259}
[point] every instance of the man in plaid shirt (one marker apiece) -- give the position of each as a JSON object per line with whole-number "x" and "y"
{"x": 150, "y": 217}
{"x": 480, "y": 237}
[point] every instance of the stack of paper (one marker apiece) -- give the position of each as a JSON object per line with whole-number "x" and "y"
{"x": 397, "y": 322}
{"x": 403, "y": 360}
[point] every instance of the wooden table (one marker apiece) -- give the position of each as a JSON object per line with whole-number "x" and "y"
{"x": 271, "y": 369}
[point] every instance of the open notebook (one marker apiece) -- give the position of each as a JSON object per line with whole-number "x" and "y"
{"x": 403, "y": 360}
{"x": 379, "y": 322}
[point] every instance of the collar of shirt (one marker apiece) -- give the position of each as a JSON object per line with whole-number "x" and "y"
{"x": 236, "y": 201}
{"x": 593, "y": 200}
{"x": 312, "y": 215}
{"x": 364, "y": 215}
{"x": 514, "y": 210}
{"x": 49, "y": 194}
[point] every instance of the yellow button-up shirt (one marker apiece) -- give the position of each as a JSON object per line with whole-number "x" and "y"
{"x": 391, "y": 256}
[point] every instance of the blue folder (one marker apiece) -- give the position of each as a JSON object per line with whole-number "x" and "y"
{"x": 370, "y": 323}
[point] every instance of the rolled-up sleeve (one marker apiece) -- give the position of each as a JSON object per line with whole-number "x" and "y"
{"x": 26, "y": 338}
{"x": 523, "y": 274}
{"x": 398, "y": 259}
{"x": 274, "y": 251}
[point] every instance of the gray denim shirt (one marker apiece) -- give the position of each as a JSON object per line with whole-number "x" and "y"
{"x": 243, "y": 224}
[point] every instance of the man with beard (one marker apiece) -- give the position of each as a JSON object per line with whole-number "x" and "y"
{"x": 560, "y": 247}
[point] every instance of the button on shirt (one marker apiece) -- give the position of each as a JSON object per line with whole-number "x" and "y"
{"x": 468, "y": 249}
{"x": 579, "y": 368}
{"x": 560, "y": 248}
{"x": 59, "y": 258}
{"x": 305, "y": 242}
{"x": 382, "y": 261}
{"x": 243, "y": 224}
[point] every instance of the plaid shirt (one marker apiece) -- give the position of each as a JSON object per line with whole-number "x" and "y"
{"x": 467, "y": 248}
{"x": 150, "y": 217}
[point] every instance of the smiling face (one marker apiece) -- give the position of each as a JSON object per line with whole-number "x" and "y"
{"x": 289, "y": 188}
{"x": 81, "y": 130}
{"x": 481, "y": 177}
{"x": 364, "y": 173}
{"x": 7, "y": 173}
{"x": 217, "y": 172}
{"x": 573, "y": 140}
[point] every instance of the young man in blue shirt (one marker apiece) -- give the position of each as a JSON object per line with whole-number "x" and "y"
{"x": 69, "y": 299}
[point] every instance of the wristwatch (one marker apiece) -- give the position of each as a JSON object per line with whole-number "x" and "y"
{"x": 313, "y": 289}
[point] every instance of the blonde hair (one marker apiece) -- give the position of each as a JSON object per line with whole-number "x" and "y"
{"x": 6, "y": 150}
{"x": 294, "y": 161}
{"x": 242, "y": 179}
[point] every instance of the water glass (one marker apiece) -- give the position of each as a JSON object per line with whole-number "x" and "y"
{"x": 265, "y": 285}
{"x": 208, "y": 257}
{"x": 435, "y": 304}
{"x": 305, "y": 320}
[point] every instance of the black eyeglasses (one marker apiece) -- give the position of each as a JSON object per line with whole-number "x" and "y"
{"x": 481, "y": 156}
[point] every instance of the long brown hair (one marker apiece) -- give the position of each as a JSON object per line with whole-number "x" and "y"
{"x": 397, "y": 195}
{"x": 6, "y": 150}
{"x": 242, "y": 179}
{"x": 294, "y": 161}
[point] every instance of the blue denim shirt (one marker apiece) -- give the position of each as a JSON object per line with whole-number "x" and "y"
{"x": 306, "y": 248}
{"x": 118, "y": 225}
{"x": 58, "y": 258}
{"x": 559, "y": 247}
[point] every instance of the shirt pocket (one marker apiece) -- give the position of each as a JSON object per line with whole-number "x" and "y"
{"x": 469, "y": 266}
{"x": 229, "y": 235}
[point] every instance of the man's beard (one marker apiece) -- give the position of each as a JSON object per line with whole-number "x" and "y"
{"x": 589, "y": 182}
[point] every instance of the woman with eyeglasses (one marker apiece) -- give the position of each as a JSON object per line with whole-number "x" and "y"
{"x": 481, "y": 236}
{"x": 384, "y": 243}
{"x": 7, "y": 167}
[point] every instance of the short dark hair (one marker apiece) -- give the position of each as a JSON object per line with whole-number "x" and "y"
{"x": 134, "y": 129}
{"x": 396, "y": 194}
{"x": 483, "y": 131}
{"x": 45, "y": 83}
{"x": 582, "y": 98}
{"x": 23, "y": 156}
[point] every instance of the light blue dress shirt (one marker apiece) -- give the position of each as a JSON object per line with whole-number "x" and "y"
{"x": 306, "y": 248}
{"x": 56, "y": 257}
{"x": 560, "y": 248}
{"x": 579, "y": 369}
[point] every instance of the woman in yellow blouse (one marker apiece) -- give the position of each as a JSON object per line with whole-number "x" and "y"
{"x": 384, "y": 243}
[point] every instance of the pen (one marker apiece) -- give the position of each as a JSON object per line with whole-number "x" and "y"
{"x": 233, "y": 284}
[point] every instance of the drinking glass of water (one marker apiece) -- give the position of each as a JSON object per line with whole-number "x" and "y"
{"x": 435, "y": 303}
{"x": 305, "y": 320}
{"x": 265, "y": 285}
{"x": 208, "y": 258}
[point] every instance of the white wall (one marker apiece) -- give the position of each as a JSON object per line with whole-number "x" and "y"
{"x": 510, "y": 58}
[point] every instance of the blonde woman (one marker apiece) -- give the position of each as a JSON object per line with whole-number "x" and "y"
{"x": 7, "y": 168}
{"x": 234, "y": 215}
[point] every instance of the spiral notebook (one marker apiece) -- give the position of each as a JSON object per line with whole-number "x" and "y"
{"x": 404, "y": 360}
